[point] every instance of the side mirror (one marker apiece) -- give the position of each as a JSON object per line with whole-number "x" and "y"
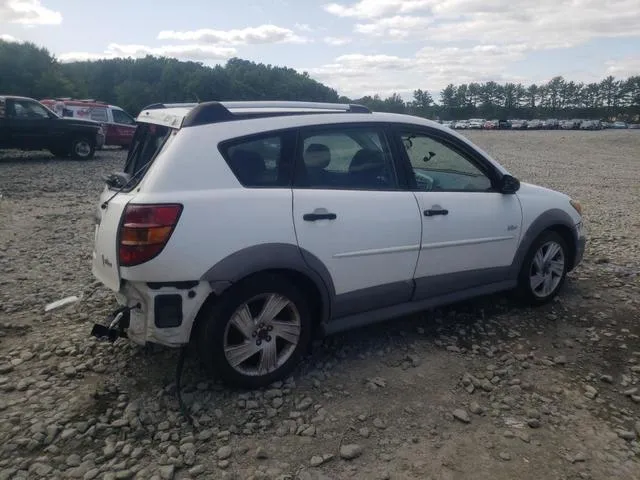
{"x": 508, "y": 184}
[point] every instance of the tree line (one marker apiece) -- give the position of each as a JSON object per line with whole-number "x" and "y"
{"x": 32, "y": 71}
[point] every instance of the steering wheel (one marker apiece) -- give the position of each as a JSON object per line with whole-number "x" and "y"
{"x": 424, "y": 181}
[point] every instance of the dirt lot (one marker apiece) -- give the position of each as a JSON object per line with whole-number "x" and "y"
{"x": 483, "y": 390}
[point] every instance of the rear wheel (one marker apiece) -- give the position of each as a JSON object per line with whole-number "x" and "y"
{"x": 82, "y": 148}
{"x": 544, "y": 270}
{"x": 256, "y": 332}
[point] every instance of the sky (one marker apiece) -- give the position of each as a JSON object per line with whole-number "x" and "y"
{"x": 357, "y": 47}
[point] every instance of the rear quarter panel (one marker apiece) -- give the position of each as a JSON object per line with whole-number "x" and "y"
{"x": 220, "y": 216}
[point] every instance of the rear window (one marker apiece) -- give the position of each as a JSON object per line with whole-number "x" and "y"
{"x": 260, "y": 161}
{"x": 148, "y": 141}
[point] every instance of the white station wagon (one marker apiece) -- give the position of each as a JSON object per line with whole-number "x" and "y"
{"x": 249, "y": 227}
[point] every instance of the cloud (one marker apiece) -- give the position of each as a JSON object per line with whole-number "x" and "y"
{"x": 195, "y": 52}
{"x": 377, "y": 8}
{"x": 397, "y": 27}
{"x": 624, "y": 67}
{"x": 431, "y": 68}
{"x": 9, "y": 38}
{"x": 540, "y": 25}
{"x": 263, "y": 34}
{"x": 28, "y": 12}
{"x": 336, "y": 41}
{"x": 303, "y": 27}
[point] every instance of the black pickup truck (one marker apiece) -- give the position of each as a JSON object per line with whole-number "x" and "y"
{"x": 26, "y": 124}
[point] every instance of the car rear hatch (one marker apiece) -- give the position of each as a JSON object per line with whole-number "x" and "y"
{"x": 148, "y": 141}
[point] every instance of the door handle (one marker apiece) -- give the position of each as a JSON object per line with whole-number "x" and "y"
{"x": 312, "y": 217}
{"x": 432, "y": 212}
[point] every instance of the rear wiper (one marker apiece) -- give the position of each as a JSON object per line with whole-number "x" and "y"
{"x": 122, "y": 175}
{"x": 116, "y": 179}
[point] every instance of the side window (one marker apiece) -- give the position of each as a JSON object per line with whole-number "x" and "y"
{"x": 438, "y": 167}
{"x": 25, "y": 109}
{"x": 2, "y": 107}
{"x": 121, "y": 117}
{"x": 347, "y": 158}
{"x": 99, "y": 114}
{"x": 257, "y": 162}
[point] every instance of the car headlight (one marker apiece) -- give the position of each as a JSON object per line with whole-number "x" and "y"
{"x": 577, "y": 206}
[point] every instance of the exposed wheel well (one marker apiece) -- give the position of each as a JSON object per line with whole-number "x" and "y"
{"x": 298, "y": 279}
{"x": 568, "y": 237}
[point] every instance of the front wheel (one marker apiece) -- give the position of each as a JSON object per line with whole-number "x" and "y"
{"x": 82, "y": 148}
{"x": 256, "y": 332}
{"x": 544, "y": 269}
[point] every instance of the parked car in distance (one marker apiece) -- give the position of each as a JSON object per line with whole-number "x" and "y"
{"x": 590, "y": 125}
{"x": 504, "y": 124}
{"x": 448, "y": 123}
{"x": 534, "y": 124}
{"x": 551, "y": 124}
{"x": 221, "y": 239}
{"x": 476, "y": 123}
{"x": 567, "y": 124}
{"x": 118, "y": 125}
{"x": 518, "y": 124}
{"x": 619, "y": 124}
{"x": 634, "y": 126}
{"x": 490, "y": 125}
{"x": 461, "y": 125}
{"x": 26, "y": 124}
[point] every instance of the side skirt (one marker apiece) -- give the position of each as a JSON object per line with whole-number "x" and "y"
{"x": 408, "y": 308}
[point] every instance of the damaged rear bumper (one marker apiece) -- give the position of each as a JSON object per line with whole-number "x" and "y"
{"x": 155, "y": 313}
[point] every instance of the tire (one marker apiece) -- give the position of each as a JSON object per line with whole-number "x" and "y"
{"x": 553, "y": 269}
{"x": 219, "y": 335}
{"x": 82, "y": 148}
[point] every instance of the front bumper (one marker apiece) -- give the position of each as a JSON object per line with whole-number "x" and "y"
{"x": 161, "y": 314}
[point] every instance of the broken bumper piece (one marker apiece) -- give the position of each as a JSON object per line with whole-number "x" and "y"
{"x": 117, "y": 323}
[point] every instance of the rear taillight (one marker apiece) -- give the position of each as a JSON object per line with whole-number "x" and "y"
{"x": 145, "y": 230}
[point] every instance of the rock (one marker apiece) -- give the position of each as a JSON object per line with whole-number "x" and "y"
{"x": 590, "y": 392}
{"x": 350, "y": 451}
{"x": 475, "y": 408}
{"x": 40, "y": 469}
{"x": 461, "y": 415}
{"x": 304, "y": 404}
{"x": 506, "y": 456}
{"x": 197, "y": 470}
{"x": 224, "y": 452}
{"x": 261, "y": 454}
{"x": 73, "y": 460}
{"x": 379, "y": 423}
{"x": 124, "y": 474}
{"x": 626, "y": 434}
{"x": 5, "y": 368}
{"x": 364, "y": 432}
{"x": 316, "y": 461}
{"x": 560, "y": 360}
{"x": 606, "y": 378}
{"x": 166, "y": 472}
{"x": 534, "y": 423}
{"x": 579, "y": 457}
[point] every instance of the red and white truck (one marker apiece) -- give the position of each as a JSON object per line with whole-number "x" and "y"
{"x": 118, "y": 125}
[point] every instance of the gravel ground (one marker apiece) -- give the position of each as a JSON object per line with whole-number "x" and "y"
{"x": 481, "y": 390}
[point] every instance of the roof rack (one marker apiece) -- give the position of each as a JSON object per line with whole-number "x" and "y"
{"x": 215, "y": 112}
